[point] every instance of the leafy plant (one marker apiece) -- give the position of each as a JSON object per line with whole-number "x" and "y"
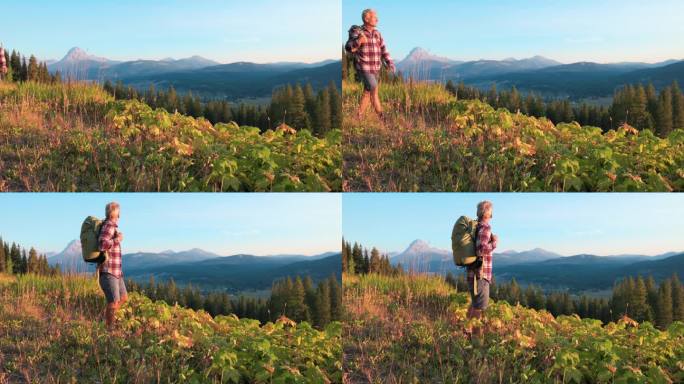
{"x": 433, "y": 142}
{"x": 51, "y": 331}
{"x": 75, "y": 137}
{"x": 413, "y": 328}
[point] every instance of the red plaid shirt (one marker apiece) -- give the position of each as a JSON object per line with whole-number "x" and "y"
{"x": 108, "y": 242}
{"x": 370, "y": 56}
{"x": 485, "y": 247}
{"x": 3, "y": 62}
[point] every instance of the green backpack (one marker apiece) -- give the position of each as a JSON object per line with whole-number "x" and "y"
{"x": 463, "y": 238}
{"x": 90, "y": 232}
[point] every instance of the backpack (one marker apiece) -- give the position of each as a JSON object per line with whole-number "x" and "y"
{"x": 354, "y": 32}
{"x": 463, "y": 238}
{"x": 90, "y": 233}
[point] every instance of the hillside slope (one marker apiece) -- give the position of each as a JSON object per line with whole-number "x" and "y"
{"x": 412, "y": 329}
{"x": 75, "y": 137}
{"x": 51, "y": 330}
{"x": 432, "y": 142}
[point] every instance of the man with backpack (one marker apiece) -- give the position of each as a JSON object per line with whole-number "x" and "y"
{"x": 480, "y": 273}
{"x": 109, "y": 271}
{"x": 370, "y": 53}
{"x": 3, "y": 63}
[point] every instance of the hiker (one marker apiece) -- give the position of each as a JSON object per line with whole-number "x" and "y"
{"x": 485, "y": 245}
{"x": 3, "y": 63}
{"x": 368, "y": 47}
{"x": 110, "y": 273}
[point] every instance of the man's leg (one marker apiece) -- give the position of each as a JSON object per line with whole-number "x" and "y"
{"x": 365, "y": 102}
{"x": 109, "y": 315}
{"x": 376, "y": 100}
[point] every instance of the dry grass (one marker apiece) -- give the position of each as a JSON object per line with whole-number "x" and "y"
{"x": 415, "y": 330}
{"x": 432, "y": 142}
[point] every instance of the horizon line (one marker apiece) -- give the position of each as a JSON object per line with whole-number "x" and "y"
{"x": 533, "y": 56}
{"x": 385, "y": 252}
{"x": 54, "y": 253}
{"x": 89, "y": 53}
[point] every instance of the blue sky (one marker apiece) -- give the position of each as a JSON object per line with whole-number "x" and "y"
{"x": 222, "y": 30}
{"x": 226, "y": 224}
{"x": 566, "y": 223}
{"x": 567, "y": 31}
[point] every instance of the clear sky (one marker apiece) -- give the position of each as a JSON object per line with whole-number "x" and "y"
{"x": 567, "y": 31}
{"x": 226, "y": 224}
{"x": 222, "y": 30}
{"x": 566, "y": 223}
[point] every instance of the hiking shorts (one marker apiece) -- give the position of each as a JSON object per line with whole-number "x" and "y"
{"x": 370, "y": 81}
{"x": 481, "y": 299}
{"x": 113, "y": 288}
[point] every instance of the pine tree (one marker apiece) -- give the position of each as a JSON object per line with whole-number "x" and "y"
{"x": 345, "y": 257}
{"x": 310, "y": 102}
{"x": 322, "y": 305}
{"x": 24, "y": 262}
{"x": 3, "y": 257}
{"x": 638, "y": 107}
{"x": 24, "y": 70}
{"x": 651, "y": 101}
{"x": 664, "y": 316}
{"x": 299, "y": 310}
{"x": 335, "y": 299}
{"x": 310, "y": 298}
{"x": 493, "y": 97}
{"x": 677, "y": 299}
{"x": 664, "y": 114}
{"x": 296, "y": 113}
{"x": 515, "y": 293}
{"x": 15, "y": 64}
{"x": 32, "y": 262}
{"x": 677, "y": 106}
{"x": 323, "y": 118}
{"x": 335, "y": 106}
{"x": 514, "y": 101}
{"x": 640, "y": 307}
{"x": 357, "y": 258}
{"x": 652, "y": 296}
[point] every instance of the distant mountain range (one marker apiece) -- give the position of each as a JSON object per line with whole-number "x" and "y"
{"x": 208, "y": 270}
{"x": 548, "y": 269}
{"x": 542, "y": 75}
{"x": 197, "y": 74}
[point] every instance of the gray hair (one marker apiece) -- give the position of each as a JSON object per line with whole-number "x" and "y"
{"x": 111, "y": 207}
{"x": 365, "y": 13}
{"x": 483, "y": 208}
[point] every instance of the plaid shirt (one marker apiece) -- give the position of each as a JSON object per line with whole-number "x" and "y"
{"x": 3, "y": 61}
{"x": 108, "y": 242}
{"x": 485, "y": 247}
{"x": 370, "y": 56}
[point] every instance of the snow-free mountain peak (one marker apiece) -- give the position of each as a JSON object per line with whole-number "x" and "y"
{"x": 78, "y": 54}
{"x": 419, "y": 54}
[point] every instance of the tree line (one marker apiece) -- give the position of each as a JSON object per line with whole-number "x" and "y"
{"x": 17, "y": 260}
{"x": 349, "y": 71}
{"x": 359, "y": 260}
{"x": 296, "y": 106}
{"x": 640, "y": 299}
{"x": 298, "y": 299}
{"x": 637, "y": 105}
{"x": 19, "y": 69}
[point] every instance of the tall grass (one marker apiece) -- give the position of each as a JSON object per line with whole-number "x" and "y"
{"x": 414, "y": 329}
{"x": 430, "y": 141}
{"x": 75, "y": 137}
{"x": 51, "y": 331}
